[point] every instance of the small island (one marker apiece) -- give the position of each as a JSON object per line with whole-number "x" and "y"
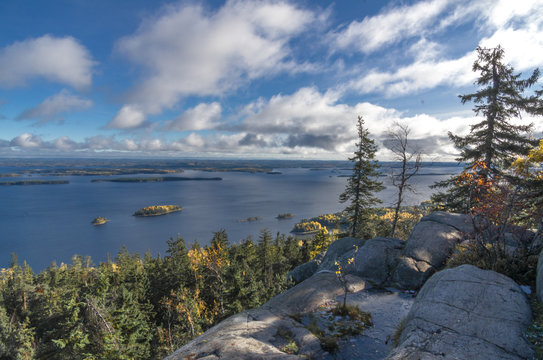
{"x": 285, "y": 216}
{"x": 250, "y": 219}
{"x": 100, "y": 220}
{"x": 157, "y": 210}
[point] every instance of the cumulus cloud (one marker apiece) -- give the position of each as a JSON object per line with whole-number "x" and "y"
{"x": 58, "y": 59}
{"x": 129, "y": 117}
{"x": 27, "y": 140}
{"x": 55, "y": 107}
{"x": 201, "y": 117}
{"x": 188, "y": 50}
{"x": 309, "y": 121}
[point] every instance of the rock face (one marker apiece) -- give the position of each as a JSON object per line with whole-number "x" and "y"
{"x": 386, "y": 261}
{"x": 429, "y": 245}
{"x": 325, "y": 260}
{"x": 539, "y": 281}
{"x": 259, "y": 333}
{"x": 466, "y": 313}
{"x": 337, "y": 250}
{"x": 375, "y": 260}
{"x": 305, "y": 271}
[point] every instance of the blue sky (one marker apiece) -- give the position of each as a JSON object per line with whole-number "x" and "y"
{"x": 250, "y": 79}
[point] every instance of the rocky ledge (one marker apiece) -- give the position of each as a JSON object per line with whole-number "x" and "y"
{"x": 459, "y": 313}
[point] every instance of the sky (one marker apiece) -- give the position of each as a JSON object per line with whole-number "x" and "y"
{"x": 248, "y": 79}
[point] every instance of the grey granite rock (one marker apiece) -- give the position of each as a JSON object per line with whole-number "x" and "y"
{"x": 466, "y": 313}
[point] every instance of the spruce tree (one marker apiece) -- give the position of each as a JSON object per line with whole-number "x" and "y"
{"x": 362, "y": 185}
{"x": 494, "y": 142}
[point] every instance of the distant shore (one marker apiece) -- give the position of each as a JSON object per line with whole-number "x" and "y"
{"x": 156, "y": 179}
{"x": 34, "y": 182}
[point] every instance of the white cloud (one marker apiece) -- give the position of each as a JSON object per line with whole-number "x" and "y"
{"x": 516, "y": 26}
{"x": 420, "y": 75}
{"x": 58, "y": 59}
{"x": 64, "y": 143}
{"x": 188, "y": 50}
{"x": 389, "y": 27}
{"x": 55, "y": 107}
{"x": 501, "y": 12}
{"x": 129, "y": 117}
{"x": 523, "y": 47}
{"x": 27, "y": 140}
{"x": 201, "y": 117}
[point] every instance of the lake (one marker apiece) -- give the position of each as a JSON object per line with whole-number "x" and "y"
{"x": 42, "y": 223}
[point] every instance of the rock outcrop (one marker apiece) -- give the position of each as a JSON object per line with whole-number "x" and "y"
{"x": 259, "y": 333}
{"x": 375, "y": 260}
{"x": 325, "y": 260}
{"x": 466, "y": 313}
{"x": 429, "y": 245}
{"x": 459, "y": 313}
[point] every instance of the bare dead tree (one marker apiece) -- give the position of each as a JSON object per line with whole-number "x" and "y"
{"x": 397, "y": 141}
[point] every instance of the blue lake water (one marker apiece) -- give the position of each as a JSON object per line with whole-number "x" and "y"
{"x": 42, "y": 223}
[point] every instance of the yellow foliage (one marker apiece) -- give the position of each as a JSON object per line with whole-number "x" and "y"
{"x": 307, "y": 226}
{"x": 530, "y": 166}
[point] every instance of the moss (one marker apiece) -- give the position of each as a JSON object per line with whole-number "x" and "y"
{"x": 354, "y": 313}
{"x": 292, "y": 346}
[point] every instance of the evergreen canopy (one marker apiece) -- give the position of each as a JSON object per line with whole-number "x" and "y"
{"x": 362, "y": 184}
{"x": 494, "y": 142}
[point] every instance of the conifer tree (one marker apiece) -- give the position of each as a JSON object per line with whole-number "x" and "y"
{"x": 362, "y": 185}
{"x": 494, "y": 142}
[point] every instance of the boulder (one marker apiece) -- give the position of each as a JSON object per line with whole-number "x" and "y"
{"x": 429, "y": 245}
{"x": 305, "y": 271}
{"x": 373, "y": 261}
{"x": 466, "y": 313}
{"x": 337, "y": 250}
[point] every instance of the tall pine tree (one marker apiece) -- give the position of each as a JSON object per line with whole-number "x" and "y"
{"x": 494, "y": 142}
{"x": 362, "y": 185}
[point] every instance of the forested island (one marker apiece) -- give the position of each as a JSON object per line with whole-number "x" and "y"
{"x": 157, "y": 210}
{"x": 285, "y": 216}
{"x": 34, "y": 182}
{"x": 156, "y": 179}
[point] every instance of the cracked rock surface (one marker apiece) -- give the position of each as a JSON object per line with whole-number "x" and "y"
{"x": 256, "y": 334}
{"x": 466, "y": 313}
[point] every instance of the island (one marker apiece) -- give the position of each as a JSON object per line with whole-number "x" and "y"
{"x": 249, "y": 219}
{"x": 306, "y": 227}
{"x": 285, "y": 216}
{"x": 156, "y": 179}
{"x": 100, "y": 220}
{"x": 34, "y": 182}
{"x": 157, "y": 210}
